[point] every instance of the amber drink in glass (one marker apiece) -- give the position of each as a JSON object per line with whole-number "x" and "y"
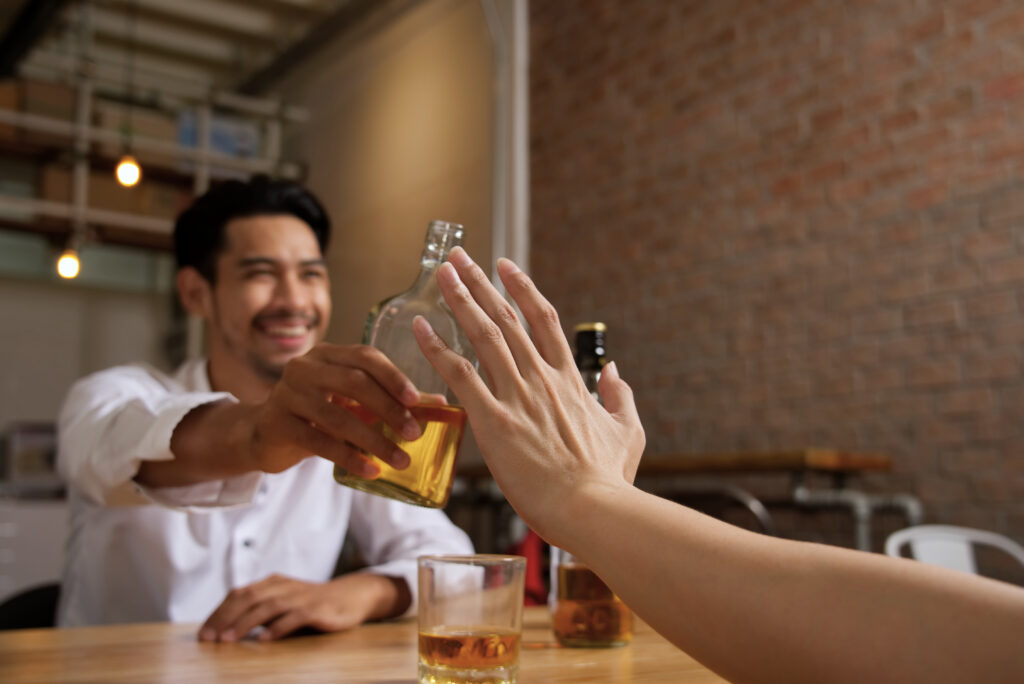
{"x": 470, "y": 618}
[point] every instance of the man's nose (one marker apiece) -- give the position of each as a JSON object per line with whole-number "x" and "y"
{"x": 292, "y": 291}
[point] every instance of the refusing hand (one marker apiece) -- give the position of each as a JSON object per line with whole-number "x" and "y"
{"x": 541, "y": 433}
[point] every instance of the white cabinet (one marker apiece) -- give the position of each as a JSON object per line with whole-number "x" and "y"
{"x": 32, "y": 536}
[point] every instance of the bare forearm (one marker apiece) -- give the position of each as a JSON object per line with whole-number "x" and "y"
{"x": 210, "y": 443}
{"x": 756, "y": 608}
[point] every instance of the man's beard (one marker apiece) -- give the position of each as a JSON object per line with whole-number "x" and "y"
{"x": 266, "y": 369}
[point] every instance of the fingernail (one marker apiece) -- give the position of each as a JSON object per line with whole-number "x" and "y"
{"x": 227, "y": 635}
{"x": 611, "y": 369}
{"x": 459, "y": 257}
{"x": 422, "y": 325}
{"x": 399, "y": 459}
{"x": 411, "y": 430}
{"x": 507, "y": 265}
{"x": 409, "y": 396}
{"x": 207, "y": 634}
{"x": 265, "y": 635}
{"x": 446, "y": 273}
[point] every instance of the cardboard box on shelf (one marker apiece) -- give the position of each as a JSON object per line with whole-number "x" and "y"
{"x": 148, "y": 198}
{"x": 52, "y": 100}
{"x": 103, "y": 190}
{"x": 140, "y": 122}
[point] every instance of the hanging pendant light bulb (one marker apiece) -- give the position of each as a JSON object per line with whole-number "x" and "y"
{"x": 128, "y": 171}
{"x": 68, "y": 265}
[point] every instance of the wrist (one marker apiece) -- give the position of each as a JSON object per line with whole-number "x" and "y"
{"x": 577, "y": 518}
{"x": 379, "y": 596}
{"x": 242, "y": 436}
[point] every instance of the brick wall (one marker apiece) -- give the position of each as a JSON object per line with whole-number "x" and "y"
{"x": 803, "y": 221}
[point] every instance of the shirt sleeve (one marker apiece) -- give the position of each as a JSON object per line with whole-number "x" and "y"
{"x": 114, "y": 420}
{"x": 391, "y": 535}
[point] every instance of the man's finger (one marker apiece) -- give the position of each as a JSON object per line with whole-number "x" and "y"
{"x": 375, "y": 363}
{"x": 283, "y": 625}
{"x": 260, "y": 613}
{"x": 314, "y": 382}
{"x": 346, "y": 453}
{"x": 220, "y": 622}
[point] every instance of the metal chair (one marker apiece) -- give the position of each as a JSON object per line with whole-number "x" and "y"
{"x": 948, "y": 545}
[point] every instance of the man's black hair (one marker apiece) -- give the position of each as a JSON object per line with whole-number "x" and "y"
{"x": 199, "y": 230}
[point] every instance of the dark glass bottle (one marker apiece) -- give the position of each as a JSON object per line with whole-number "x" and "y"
{"x": 590, "y": 353}
{"x": 585, "y": 612}
{"x": 428, "y": 479}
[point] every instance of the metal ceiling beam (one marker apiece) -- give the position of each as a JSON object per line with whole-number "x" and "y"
{"x": 30, "y": 24}
{"x": 145, "y": 34}
{"x": 350, "y": 14}
{"x": 203, "y": 15}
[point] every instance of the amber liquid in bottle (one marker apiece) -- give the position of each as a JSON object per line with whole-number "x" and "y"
{"x": 482, "y": 649}
{"x": 427, "y": 481}
{"x": 587, "y": 613}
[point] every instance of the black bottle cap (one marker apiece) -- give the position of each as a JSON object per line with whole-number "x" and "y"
{"x": 590, "y": 349}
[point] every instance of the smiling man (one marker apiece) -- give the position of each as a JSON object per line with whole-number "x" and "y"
{"x": 207, "y": 495}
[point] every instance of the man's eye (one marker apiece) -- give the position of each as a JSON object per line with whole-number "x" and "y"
{"x": 261, "y": 273}
{"x": 313, "y": 274}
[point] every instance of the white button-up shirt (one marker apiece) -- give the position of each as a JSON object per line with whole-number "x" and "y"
{"x": 137, "y": 554}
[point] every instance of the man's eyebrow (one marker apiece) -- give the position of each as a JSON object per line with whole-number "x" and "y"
{"x": 246, "y": 262}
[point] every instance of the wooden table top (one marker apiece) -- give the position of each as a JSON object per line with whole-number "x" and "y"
{"x": 821, "y": 460}
{"x": 792, "y": 460}
{"x": 382, "y": 653}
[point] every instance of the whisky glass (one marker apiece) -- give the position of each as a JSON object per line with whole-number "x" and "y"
{"x": 470, "y": 618}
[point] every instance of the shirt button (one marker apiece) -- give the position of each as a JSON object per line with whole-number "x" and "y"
{"x": 247, "y": 543}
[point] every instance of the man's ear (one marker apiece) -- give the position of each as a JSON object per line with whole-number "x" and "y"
{"x": 195, "y": 292}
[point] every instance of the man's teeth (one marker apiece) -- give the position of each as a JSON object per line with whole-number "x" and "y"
{"x": 287, "y": 331}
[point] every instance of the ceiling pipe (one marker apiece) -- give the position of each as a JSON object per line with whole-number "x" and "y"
{"x": 30, "y": 24}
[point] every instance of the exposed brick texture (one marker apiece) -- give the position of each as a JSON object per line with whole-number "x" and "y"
{"x": 803, "y": 221}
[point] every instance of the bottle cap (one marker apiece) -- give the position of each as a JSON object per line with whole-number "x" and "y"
{"x": 590, "y": 351}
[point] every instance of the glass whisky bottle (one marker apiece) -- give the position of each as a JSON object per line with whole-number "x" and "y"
{"x": 427, "y": 481}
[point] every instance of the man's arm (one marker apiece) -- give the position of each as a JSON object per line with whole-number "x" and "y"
{"x": 223, "y": 439}
{"x": 751, "y": 607}
{"x": 390, "y": 535}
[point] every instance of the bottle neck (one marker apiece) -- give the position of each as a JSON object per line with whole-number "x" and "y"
{"x": 442, "y": 237}
{"x": 590, "y": 353}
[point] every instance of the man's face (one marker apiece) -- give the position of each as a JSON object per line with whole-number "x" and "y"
{"x": 271, "y": 300}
